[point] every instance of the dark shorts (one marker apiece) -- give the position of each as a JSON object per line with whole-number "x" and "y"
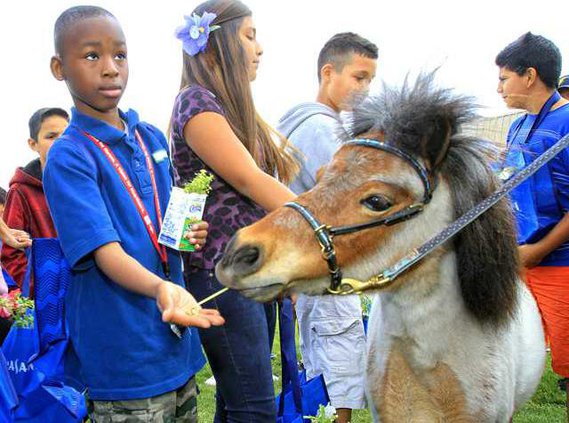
{"x": 176, "y": 406}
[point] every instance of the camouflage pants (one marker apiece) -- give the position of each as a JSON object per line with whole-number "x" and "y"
{"x": 172, "y": 407}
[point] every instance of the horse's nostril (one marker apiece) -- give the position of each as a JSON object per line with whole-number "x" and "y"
{"x": 246, "y": 259}
{"x": 250, "y": 256}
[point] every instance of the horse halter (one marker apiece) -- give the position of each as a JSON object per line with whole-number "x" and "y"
{"x": 324, "y": 233}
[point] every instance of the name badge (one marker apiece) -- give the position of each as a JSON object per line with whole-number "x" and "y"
{"x": 160, "y": 155}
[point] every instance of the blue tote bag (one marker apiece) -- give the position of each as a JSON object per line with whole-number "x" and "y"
{"x": 46, "y": 385}
{"x": 8, "y": 395}
{"x": 299, "y": 397}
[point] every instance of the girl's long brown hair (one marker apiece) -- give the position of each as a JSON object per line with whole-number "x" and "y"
{"x": 222, "y": 69}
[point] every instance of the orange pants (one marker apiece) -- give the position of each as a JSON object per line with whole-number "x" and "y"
{"x": 550, "y": 287}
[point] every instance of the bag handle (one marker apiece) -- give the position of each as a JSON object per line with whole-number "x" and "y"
{"x": 288, "y": 355}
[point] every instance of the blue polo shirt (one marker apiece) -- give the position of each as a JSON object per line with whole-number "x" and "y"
{"x": 124, "y": 349}
{"x": 541, "y": 201}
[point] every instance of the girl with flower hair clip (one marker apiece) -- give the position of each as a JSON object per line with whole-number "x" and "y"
{"x": 215, "y": 127}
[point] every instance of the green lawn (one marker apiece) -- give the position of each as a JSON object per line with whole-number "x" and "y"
{"x": 547, "y": 405}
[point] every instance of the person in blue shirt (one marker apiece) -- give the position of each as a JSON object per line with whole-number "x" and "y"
{"x": 107, "y": 181}
{"x": 563, "y": 87}
{"x": 529, "y": 71}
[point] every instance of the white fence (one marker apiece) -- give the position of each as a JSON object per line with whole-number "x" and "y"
{"x": 493, "y": 128}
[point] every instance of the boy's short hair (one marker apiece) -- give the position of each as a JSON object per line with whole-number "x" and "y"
{"x": 338, "y": 50}
{"x": 70, "y": 17}
{"x": 532, "y": 51}
{"x": 563, "y": 83}
{"x": 2, "y": 196}
{"x": 42, "y": 114}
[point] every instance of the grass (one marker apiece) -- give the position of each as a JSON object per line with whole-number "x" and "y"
{"x": 548, "y": 403}
{"x": 546, "y": 406}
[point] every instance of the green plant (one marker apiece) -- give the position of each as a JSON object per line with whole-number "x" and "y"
{"x": 15, "y": 307}
{"x": 366, "y": 304}
{"x": 201, "y": 184}
{"x": 326, "y": 414}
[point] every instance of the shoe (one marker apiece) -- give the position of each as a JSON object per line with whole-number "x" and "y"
{"x": 562, "y": 384}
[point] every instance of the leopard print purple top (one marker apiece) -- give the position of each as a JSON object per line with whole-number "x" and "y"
{"x": 226, "y": 210}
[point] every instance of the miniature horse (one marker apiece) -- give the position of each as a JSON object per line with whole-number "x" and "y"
{"x": 458, "y": 337}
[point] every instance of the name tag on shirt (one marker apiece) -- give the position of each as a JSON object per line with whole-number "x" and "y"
{"x": 160, "y": 155}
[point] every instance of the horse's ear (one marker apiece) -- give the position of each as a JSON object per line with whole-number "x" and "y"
{"x": 320, "y": 172}
{"x": 437, "y": 143}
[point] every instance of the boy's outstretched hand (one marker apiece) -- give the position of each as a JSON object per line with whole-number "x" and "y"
{"x": 180, "y": 307}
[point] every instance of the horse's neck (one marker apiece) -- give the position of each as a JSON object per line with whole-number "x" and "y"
{"x": 427, "y": 305}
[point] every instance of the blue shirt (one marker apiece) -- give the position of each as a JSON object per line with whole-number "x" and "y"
{"x": 124, "y": 349}
{"x": 541, "y": 201}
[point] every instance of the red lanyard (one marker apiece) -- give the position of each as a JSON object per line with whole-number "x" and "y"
{"x": 161, "y": 249}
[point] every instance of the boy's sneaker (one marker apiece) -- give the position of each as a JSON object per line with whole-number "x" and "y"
{"x": 562, "y": 384}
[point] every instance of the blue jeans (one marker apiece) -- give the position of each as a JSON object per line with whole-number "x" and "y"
{"x": 238, "y": 353}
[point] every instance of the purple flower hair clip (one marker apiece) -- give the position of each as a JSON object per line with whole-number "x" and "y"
{"x": 195, "y": 33}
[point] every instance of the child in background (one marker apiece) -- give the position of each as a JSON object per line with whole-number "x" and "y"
{"x": 107, "y": 181}
{"x": 2, "y": 200}
{"x": 329, "y": 325}
{"x": 16, "y": 239}
{"x": 215, "y": 127}
{"x": 26, "y": 208}
{"x": 12, "y": 237}
{"x": 563, "y": 87}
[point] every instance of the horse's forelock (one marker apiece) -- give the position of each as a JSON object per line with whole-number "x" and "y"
{"x": 418, "y": 118}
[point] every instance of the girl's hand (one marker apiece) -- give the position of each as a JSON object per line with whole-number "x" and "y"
{"x": 197, "y": 234}
{"x": 179, "y": 306}
{"x": 17, "y": 239}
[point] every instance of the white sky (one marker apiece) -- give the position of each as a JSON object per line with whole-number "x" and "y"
{"x": 463, "y": 36}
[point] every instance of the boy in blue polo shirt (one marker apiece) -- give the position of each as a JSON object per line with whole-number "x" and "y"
{"x": 107, "y": 181}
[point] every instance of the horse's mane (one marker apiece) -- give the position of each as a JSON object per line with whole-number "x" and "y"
{"x": 424, "y": 120}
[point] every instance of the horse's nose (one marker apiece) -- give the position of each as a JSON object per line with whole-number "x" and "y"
{"x": 243, "y": 259}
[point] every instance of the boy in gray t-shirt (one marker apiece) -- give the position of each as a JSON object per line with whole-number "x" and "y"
{"x": 332, "y": 339}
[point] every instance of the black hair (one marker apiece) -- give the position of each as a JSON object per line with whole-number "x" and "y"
{"x": 70, "y": 17}
{"x": 2, "y": 196}
{"x": 532, "y": 51}
{"x": 40, "y": 116}
{"x": 338, "y": 50}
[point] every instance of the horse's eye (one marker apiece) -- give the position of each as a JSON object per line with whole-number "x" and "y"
{"x": 377, "y": 203}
